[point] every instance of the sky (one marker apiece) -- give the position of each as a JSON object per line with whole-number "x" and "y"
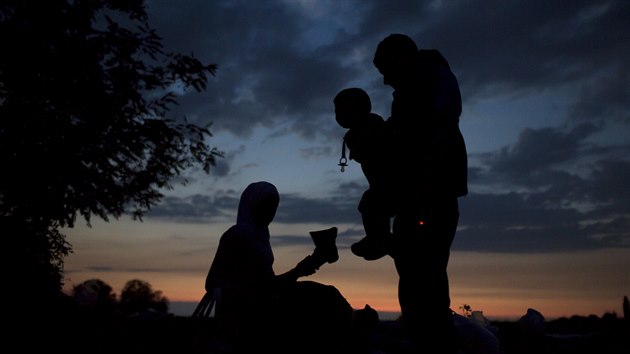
{"x": 546, "y": 119}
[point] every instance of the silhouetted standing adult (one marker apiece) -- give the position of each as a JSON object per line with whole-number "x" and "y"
{"x": 429, "y": 176}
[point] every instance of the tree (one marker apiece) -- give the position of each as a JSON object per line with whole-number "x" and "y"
{"x": 85, "y": 91}
{"x": 138, "y": 297}
{"x": 95, "y": 294}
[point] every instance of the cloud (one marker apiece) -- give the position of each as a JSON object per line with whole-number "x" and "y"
{"x": 516, "y": 47}
{"x": 604, "y": 98}
{"x": 283, "y": 61}
{"x": 315, "y": 152}
{"x": 295, "y": 209}
{"x": 554, "y": 191}
{"x": 264, "y": 74}
{"x": 536, "y": 152}
{"x": 223, "y": 205}
{"x": 196, "y": 208}
{"x": 509, "y": 223}
{"x": 560, "y": 186}
{"x": 609, "y": 184}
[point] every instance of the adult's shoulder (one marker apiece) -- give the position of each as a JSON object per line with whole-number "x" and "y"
{"x": 235, "y": 234}
{"x": 375, "y": 118}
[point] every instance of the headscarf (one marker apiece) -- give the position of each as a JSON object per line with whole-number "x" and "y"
{"x": 259, "y": 198}
{"x": 244, "y": 256}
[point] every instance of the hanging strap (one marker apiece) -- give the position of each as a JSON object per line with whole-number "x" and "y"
{"x": 343, "y": 161}
{"x": 204, "y": 307}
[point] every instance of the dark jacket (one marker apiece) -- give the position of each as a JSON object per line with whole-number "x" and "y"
{"x": 430, "y": 149}
{"x": 370, "y": 145}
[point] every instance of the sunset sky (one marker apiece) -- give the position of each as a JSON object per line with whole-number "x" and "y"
{"x": 546, "y": 119}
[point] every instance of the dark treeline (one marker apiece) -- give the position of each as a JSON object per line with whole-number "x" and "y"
{"x": 85, "y": 129}
{"x": 137, "y": 298}
{"x": 80, "y": 329}
{"x": 93, "y": 319}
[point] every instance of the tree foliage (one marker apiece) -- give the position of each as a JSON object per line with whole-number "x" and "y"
{"x": 85, "y": 91}
{"x": 95, "y": 294}
{"x": 138, "y": 296}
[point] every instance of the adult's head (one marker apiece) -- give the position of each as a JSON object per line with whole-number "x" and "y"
{"x": 351, "y": 105}
{"x": 395, "y": 58}
{"x": 258, "y": 204}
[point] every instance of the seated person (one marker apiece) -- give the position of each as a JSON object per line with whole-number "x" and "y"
{"x": 254, "y": 305}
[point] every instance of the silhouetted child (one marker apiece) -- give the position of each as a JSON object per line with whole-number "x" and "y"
{"x": 368, "y": 139}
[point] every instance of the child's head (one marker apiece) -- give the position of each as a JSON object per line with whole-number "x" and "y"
{"x": 351, "y": 105}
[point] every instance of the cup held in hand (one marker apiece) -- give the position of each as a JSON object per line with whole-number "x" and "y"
{"x": 325, "y": 245}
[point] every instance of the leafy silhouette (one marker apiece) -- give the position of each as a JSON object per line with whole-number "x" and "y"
{"x": 85, "y": 89}
{"x": 95, "y": 294}
{"x": 138, "y": 297}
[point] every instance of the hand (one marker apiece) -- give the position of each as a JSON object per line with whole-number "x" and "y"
{"x": 306, "y": 267}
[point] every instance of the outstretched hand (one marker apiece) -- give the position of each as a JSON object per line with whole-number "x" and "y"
{"x": 307, "y": 266}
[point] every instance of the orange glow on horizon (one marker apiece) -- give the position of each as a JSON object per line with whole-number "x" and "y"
{"x": 501, "y": 285}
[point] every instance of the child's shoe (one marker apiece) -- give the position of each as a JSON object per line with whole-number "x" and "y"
{"x": 371, "y": 248}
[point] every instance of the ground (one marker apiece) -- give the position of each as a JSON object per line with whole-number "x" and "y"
{"x": 107, "y": 333}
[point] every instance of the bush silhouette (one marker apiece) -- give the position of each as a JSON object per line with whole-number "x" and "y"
{"x": 138, "y": 298}
{"x": 95, "y": 294}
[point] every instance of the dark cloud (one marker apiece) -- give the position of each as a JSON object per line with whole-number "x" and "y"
{"x": 604, "y": 99}
{"x": 343, "y": 241}
{"x": 100, "y": 269}
{"x": 289, "y": 241}
{"x": 272, "y": 68}
{"x": 503, "y": 47}
{"x": 537, "y": 151}
{"x": 510, "y": 223}
{"x": 295, "y": 209}
{"x": 315, "y": 152}
{"x": 223, "y": 166}
{"x": 609, "y": 185}
{"x": 197, "y": 207}
{"x": 264, "y": 75}
{"x": 554, "y": 191}
{"x": 555, "y": 188}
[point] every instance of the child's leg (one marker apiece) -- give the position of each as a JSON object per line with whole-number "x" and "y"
{"x": 376, "y": 223}
{"x": 375, "y": 214}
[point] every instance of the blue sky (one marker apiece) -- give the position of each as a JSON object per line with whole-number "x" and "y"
{"x": 546, "y": 119}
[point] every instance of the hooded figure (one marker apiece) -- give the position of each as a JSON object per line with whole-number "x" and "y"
{"x": 244, "y": 259}
{"x": 254, "y": 306}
